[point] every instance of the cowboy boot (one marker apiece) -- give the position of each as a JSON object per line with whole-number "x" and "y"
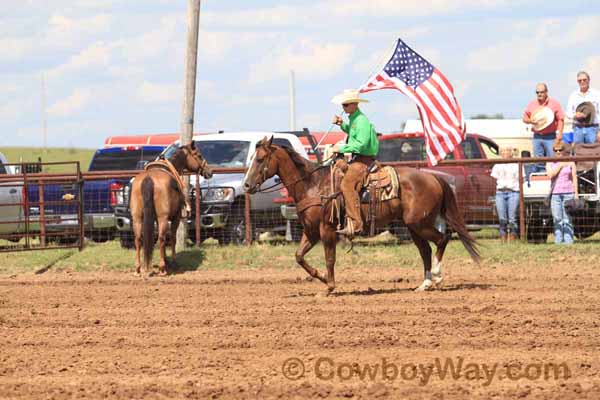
{"x": 348, "y": 230}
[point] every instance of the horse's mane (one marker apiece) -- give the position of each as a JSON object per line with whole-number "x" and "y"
{"x": 305, "y": 166}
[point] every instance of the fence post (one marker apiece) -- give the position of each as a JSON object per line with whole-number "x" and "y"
{"x": 42, "y": 214}
{"x": 247, "y": 219}
{"x": 198, "y": 215}
{"x": 80, "y": 183}
{"x": 26, "y": 205}
{"x": 521, "y": 204}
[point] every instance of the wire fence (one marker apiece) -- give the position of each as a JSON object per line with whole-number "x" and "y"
{"x": 40, "y": 210}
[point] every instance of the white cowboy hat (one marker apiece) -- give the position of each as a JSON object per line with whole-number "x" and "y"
{"x": 542, "y": 118}
{"x": 348, "y": 96}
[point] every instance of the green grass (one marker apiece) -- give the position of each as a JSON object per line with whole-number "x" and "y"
{"x": 110, "y": 256}
{"x": 31, "y": 154}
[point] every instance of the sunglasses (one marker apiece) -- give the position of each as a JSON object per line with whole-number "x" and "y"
{"x": 346, "y": 105}
{"x": 582, "y": 80}
{"x": 540, "y": 92}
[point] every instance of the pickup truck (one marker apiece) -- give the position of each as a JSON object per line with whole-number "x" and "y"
{"x": 223, "y": 196}
{"x": 99, "y": 196}
{"x": 11, "y": 195}
{"x": 538, "y": 216}
{"x": 473, "y": 185}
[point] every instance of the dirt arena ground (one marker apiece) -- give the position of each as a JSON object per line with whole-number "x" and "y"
{"x": 510, "y": 332}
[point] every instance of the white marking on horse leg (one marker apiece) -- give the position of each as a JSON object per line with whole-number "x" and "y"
{"x": 426, "y": 285}
{"x": 436, "y": 271}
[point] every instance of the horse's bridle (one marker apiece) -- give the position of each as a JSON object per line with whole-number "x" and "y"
{"x": 265, "y": 169}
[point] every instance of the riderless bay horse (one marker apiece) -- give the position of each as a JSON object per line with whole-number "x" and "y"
{"x": 157, "y": 194}
{"x": 422, "y": 198}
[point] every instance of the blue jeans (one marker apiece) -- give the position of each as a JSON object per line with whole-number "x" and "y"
{"x": 506, "y": 205}
{"x": 587, "y": 134}
{"x": 563, "y": 227}
{"x": 543, "y": 145}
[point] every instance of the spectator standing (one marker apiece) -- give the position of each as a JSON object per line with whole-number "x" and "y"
{"x": 507, "y": 195}
{"x": 564, "y": 187}
{"x": 584, "y": 116}
{"x": 547, "y": 119}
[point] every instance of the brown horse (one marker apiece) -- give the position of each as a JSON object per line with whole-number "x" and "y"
{"x": 156, "y": 195}
{"x": 422, "y": 198}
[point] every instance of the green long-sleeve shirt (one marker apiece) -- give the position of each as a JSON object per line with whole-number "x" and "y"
{"x": 362, "y": 138}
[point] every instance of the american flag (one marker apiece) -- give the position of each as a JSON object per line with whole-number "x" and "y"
{"x": 440, "y": 113}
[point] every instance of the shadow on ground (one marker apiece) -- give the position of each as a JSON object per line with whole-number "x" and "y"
{"x": 189, "y": 260}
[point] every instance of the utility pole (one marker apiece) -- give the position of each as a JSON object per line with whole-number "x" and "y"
{"x": 292, "y": 101}
{"x": 288, "y": 224}
{"x": 189, "y": 97}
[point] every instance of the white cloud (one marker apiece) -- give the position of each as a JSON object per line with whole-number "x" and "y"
{"x": 13, "y": 49}
{"x": 591, "y": 65}
{"x": 149, "y": 92}
{"x": 241, "y": 99}
{"x": 71, "y": 104}
{"x": 95, "y": 56}
{"x": 309, "y": 60}
{"x": 407, "y": 8}
{"x": 512, "y": 55}
{"x": 583, "y": 29}
{"x": 335, "y": 12}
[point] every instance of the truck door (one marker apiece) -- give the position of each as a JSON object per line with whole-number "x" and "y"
{"x": 481, "y": 187}
{"x": 9, "y": 214}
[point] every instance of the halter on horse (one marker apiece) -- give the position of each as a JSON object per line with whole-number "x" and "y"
{"x": 421, "y": 199}
{"x": 157, "y": 194}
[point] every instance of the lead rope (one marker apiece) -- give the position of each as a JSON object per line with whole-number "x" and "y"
{"x": 335, "y": 207}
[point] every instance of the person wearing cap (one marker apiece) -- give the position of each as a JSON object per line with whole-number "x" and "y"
{"x": 362, "y": 143}
{"x": 546, "y": 117}
{"x": 583, "y": 109}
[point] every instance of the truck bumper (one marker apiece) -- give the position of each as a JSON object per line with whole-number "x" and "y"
{"x": 289, "y": 211}
{"x": 91, "y": 222}
{"x": 207, "y": 221}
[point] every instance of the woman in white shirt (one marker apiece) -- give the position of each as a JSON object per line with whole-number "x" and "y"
{"x": 507, "y": 196}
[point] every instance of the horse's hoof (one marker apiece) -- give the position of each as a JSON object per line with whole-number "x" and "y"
{"x": 438, "y": 281}
{"x": 330, "y": 290}
{"x": 425, "y": 286}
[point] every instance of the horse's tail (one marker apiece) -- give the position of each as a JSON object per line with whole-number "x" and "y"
{"x": 454, "y": 218}
{"x": 149, "y": 215}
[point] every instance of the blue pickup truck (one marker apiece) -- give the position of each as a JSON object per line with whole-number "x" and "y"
{"x": 99, "y": 196}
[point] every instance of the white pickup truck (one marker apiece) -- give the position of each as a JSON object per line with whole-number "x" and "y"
{"x": 11, "y": 196}
{"x": 222, "y": 205}
{"x": 538, "y": 217}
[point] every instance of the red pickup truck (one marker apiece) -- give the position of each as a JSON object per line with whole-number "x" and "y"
{"x": 473, "y": 185}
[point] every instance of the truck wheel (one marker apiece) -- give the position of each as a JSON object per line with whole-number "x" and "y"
{"x": 127, "y": 240}
{"x": 296, "y": 231}
{"x": 235, "y": 231}
{"x": 400, "y": 231}
{"x": 536, "y": 232}
{"x": 537, "y": 224}
{"x": 102, "y": 236}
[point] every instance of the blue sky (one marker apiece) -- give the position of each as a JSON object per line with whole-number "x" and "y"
{"x": 115, "y": 67}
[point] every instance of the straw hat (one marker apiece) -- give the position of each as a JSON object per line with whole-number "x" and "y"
{"x": 348, "y": 96}
{"x": 542, "y": 118}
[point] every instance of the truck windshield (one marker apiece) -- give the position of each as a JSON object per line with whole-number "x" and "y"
{"x": 401, "y": 149}
{"x": 221, "y": 153}
{"x": 118, "y": 159}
